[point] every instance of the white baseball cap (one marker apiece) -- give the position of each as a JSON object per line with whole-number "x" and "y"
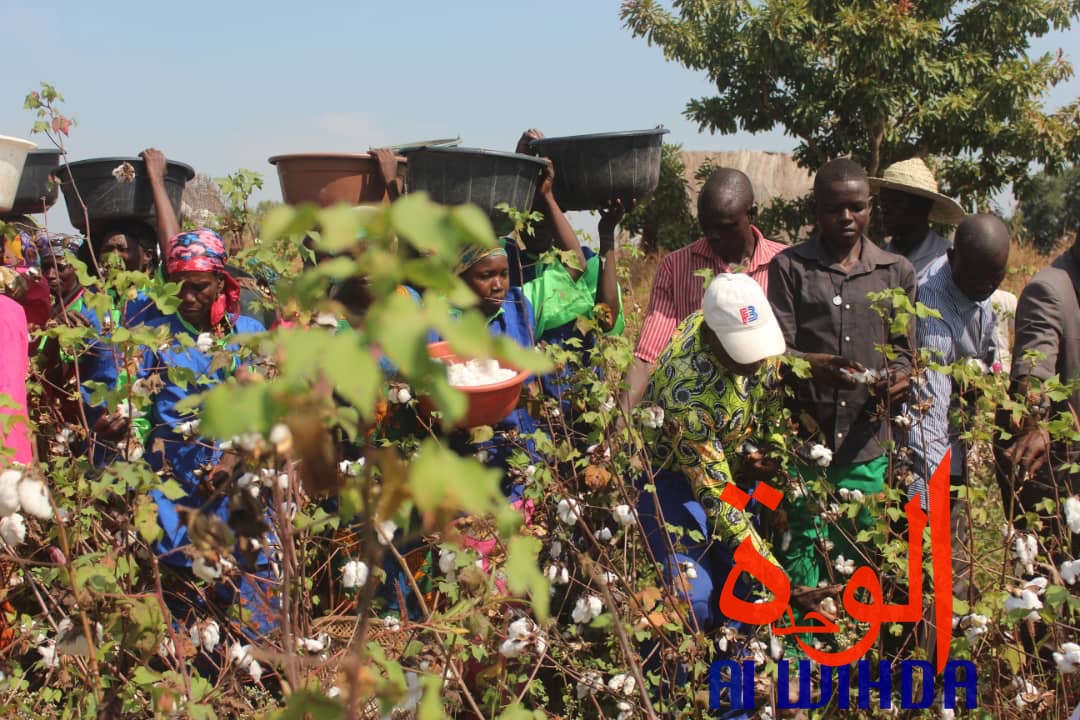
{"x": 736, "y": 309}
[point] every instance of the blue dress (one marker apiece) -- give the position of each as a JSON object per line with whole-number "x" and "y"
{"x": 102, "y": 361}
{"x": 184, "y": 455}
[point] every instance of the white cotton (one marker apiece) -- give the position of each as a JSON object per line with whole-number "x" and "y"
{"x": 1024, "y": 687}
{"x": 623, "y": 683}
{"x": 325, "y": 319}
{"x": 785, "y": 540}
{"x": 204, "y": 570}
{"x": 1025, "y": 549}
{"x": 354, "y": 574}
{"x": 902, "y": 421}
{"x": 626, "y": 710}
{"x": 13, "y": 529}
{"x": 392, "y": 623}
{"x": 447, "y": 563}
{"x": 588, "y": 684}
{"x": 245, "y": 480}
{"x": 689, "y": 569}
{"x": 512, "y": 648}
{"x": 828, "y": 606}
{"x": 776, "y": 647}
{"x": 1070, "y": 570}
{"x": 1068, "y": 660}
{"x": 1027, "y": 600}
{"x": 50, "y": 658}
{"x": 255, "y": 671}
{"x": 205, "y": 342}
{"x": 249, "y": 442}
{"x": 865, "y": 377}
{"x": 313, "y": 645}
{"x": 281, "y": 438}
{"x": 241, "y": 655}
{"x": 652, "y": 417}
{"x": 568, "y": 511}
{"x": 603, "y": 535}
{"x": 476, "y": 373}
{"x": 166, "y": 649}
{"x": 399, "y": 395}
{"x": 587, "y": 609}
{"x": 333, "y": 692}
{"x": 384, "y": 530}
{"x": 1037, "y": 585}
{"x": 947, "y": 714}
{"x": 555, "y": 551}
{"x": 9, "y": 491}
{"x": 821, "y": 455}
{"x": 624, "y": 515}
{"x": 557, "y": 574}
{"x": 1072, "y": 513}
{"x": 189, "y": 428}
{"x": 210, "y": 636}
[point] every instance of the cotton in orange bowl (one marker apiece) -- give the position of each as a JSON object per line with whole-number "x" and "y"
{"x": 492, "y": 387}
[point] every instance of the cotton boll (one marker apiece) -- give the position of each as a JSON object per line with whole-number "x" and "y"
{"x": 624, "y": 515}
{"x": 652, "y": 417}
{"x": 281, "y": 438}
{"x": 1070, "y": 570}
{"x": 603, "y": 535}
{"x": 448, "y": 563}
{"x": 13, "y": 529}
{"x": 190, "y": 428}
{"x": 210, "y": 636}
{"x": 50, "y": 658}
{"x": 557, "y": 574}
{"x": 821, "y": 455}
{"x": 623, "y": 683}
{"x": 1072, "y": 513}
{"x": 568, "y": 511}
{"x": 9, "y": 491}
{"x": 1068, "y": 660}
{"x": 255, "y": 671}
{"x": 205, "y": 570}
{"x": 241, "y": 654}
{"x": 587, "y": 609}
{"x": 205, "y": 342}
{"x": 1026, "y": 600}
{"x": 354, "y": 574}
{"x": 588, "y": 684}
{"x": 476, "y": 373}
{"x": 385, "y": 530}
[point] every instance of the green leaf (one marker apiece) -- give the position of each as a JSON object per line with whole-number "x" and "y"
{"x": 309, "y": 705}
{"x": 146, "y": 519}
{"x": 523, "y": 573}
{"x": 172, "y": 490}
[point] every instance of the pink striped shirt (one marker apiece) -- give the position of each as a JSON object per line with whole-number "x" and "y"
{"x": 677, "y": 292}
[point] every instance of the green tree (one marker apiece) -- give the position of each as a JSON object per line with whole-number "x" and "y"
{"x": 664, "y": 220}
{"x": 880, "y": 80}
{"x": 1049, "y": 207}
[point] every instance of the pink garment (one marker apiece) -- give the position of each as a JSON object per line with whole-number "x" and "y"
{"x": 677, "y": 292}
{"x": 14, "y": 364}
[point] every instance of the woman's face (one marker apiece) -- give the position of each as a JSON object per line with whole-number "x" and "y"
{"x": 198, "y": 291}
{"x": 489, "y": 279}
{"x": 61, "y": 276}
{"x": 127, "y": 249}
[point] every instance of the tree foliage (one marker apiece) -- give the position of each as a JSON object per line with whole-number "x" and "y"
{"x": 664, "y": 219}
{"x": 880, "y": 80}
{"x": 1050, "y": 207}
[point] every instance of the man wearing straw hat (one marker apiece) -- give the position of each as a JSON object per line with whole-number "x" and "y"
{"x": 910, "y": 201}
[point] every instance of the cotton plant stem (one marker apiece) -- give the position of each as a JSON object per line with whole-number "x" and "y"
{"x": 620, "y": 634}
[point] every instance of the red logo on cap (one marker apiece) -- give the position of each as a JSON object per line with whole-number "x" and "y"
{"x": 748, "y": 314}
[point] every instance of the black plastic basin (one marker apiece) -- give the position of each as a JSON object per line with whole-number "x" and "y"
{"x": 34, "y": 194}
{"x": 591, "y": 171}
{"x": 109, "y": 199}
{"x": 486, "y": 178}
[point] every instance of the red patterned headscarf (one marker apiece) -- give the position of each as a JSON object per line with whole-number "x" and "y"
{"x": 203, "y": 250}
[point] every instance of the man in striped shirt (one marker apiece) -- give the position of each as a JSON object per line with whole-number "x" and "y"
{"x": 960, "y": 291}
{"x": 730, "y": 241}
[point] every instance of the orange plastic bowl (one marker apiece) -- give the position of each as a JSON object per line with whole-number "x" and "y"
{"x": 488, "y": 404}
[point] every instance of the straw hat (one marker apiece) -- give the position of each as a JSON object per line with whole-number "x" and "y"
{"x": 914, "y": 177}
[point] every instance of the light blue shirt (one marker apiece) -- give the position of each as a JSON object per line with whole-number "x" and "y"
{"x": 965, "y": 331}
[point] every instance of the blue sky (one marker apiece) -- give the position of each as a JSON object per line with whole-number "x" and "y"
{"x": 227, "y": 84}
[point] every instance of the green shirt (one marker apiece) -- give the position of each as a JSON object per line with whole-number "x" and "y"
{"x": 558, "y": 299}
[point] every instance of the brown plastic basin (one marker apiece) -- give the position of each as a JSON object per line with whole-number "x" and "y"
{"x": 329, "y": 178}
